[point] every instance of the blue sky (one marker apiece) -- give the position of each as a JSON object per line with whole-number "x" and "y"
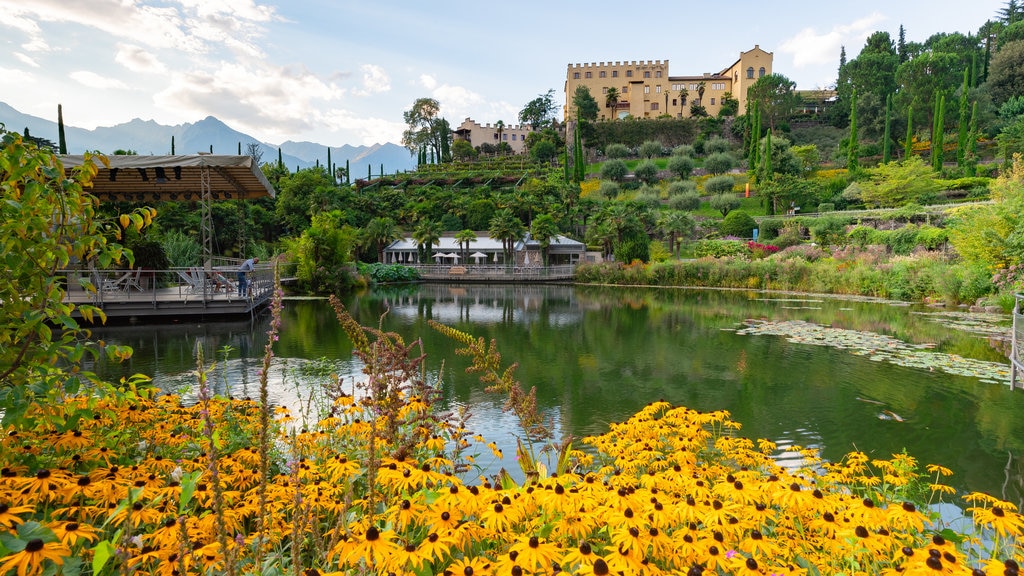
{"x": 342, "y": 72}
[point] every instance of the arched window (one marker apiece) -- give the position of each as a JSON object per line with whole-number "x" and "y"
{"x": 750, "y": 72}
{"x": 760, "y": 72}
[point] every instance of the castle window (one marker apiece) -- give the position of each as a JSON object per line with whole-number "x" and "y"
{"x": 750, "y": 72}
{"x": 602, "y": 73}
{"x": 657, "y": 89}
{"x": 647, "y": 89}
{"x": 647, "y": 74}
{"x": 657, "y": 74}
{"x": 624, "y": 90}
{"x": 712, "y": 101}
{"x": 673, "y": 101}
{"x": 514, "y": 136}
{"x": 575, "y": 75}
{"x": 615, "y": 73}
{"x": 589, "y": 74}
{"x": 654, "y": 105}
{"x": 760, "y": 73}
{"x": 629, "y": 73}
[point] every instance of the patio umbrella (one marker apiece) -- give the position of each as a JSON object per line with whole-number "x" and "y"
{"x": 477, "y": 256}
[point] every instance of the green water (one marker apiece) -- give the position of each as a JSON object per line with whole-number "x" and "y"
{"x": 596, "y": 355}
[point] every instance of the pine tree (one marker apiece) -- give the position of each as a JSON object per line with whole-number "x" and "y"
{"x": 62, "y": 142}
{"x": 908, "y": 144}
{"x": 901, "y": 45}
{"x": 852, "y": 148}
{"x": 887, "y": 138}
{"x": 961, "y": 143}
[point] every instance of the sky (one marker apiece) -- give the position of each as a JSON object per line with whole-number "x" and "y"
{"x": 341, "y": 72}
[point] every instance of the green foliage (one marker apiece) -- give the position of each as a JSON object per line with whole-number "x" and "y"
{"x": 719, "y": 184}
{"x": 738, "y": 223}
{"x": 829, "y": 231}
{"x": 646, "y": 172}
{"x": 684, "y": 150}
{"x": 681, "y": 166}
{"x": 651, "y": 148}
{"x": 323, "y": 254}
{"x": 932, "y": 237}
{"x": 688, "y": 201}
{"x": 648, "y": 197}
{"x": 719, "y": 248}
{"x": 614, "y": 170}
{"x": 897, "y": 183}
{"x": 609, "y": 190}
{"x": 717, "y": 145}
{"x": 585, "y": 104}
{"x": 540, "y": 111}
{"x": 668, "y": 131}
{"x": 181, "y": 249}
{"x": 724, "y": 203}
{"x": 635, "y": 247}
{"x": 719, "y": 163}
{"x": 616, "y": 150}
{"x": 543, "y": 151}
{"x": 682, "y": 187}
{"x": 380, "y": 273}
{"x": 149, "y": 254}
{"x": 49, "y": 223}
{"x": 463, "y": 150}
{"x": 769, "y": 228}
{"x": 826, "y": 207}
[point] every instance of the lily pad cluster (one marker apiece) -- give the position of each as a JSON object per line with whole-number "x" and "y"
{"x": 879, "y": 348}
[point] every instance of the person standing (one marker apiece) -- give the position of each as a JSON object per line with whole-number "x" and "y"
{"x": 243, "y": 271}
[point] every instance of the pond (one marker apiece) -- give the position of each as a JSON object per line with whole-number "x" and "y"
{"x": 834, "y": 374}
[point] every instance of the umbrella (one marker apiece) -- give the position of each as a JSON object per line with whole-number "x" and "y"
{"x": 477, "y": 256}
{"x": 453, "y": 255}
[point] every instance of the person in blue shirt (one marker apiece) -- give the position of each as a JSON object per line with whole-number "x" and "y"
{"x": 243, "y": 271}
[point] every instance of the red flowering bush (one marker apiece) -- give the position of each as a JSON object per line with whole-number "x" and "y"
{"x": 758, "y": 250}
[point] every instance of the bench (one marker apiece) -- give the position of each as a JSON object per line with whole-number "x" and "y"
{"x": 457, "y": 270}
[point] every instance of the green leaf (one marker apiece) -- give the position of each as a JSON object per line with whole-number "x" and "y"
{"x": 100, "y": 554}
{"x": 11, "y": 542}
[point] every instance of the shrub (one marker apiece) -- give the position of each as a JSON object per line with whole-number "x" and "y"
{"x": 791, "y": 235}
{"x": 633, "y": 248}
{"x": 681, "y": 166}
{"x": 862, "y": 236}
{"x": 648, "y": 197}
{"x": 719, "y": 248}
{"x": 682, "y": 187}
{"x": 651, "y": 148}
{"x": 725, "y": 203}
{"x": 902, "y": 240}
{"x": 804, "y": 251}
{"x": 688, "y": 201}
{"x": 716, "y": 145}
{"x": 608, "y": 190}
{"x": 615, "y": 170}
{"x": 719, "y": 184}
{"x": 769, "y": 228}
{"x": 826, "y": 207}
{"x": 683, "y": 150}
{"x": 616, "y": 151}
{"x": 380, "y": 273}
{"x": 646, "y": 172}
{"x": 738, "y": 223}
{"x": 759, "y": 250}
{"x": 829, "y": 231}
{"x": 932, "y": 237}
{"x": 719, "y": 163}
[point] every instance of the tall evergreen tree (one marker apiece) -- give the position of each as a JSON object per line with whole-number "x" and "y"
{"x": 766, "y": 168}
{"x": 62, "y": 142}
{"x": 887, "y": 138}
{"x": 280, "y": 159}
{"x": 329, "y": 165}
{"x": 908, "y": 144}
{"x": 172, "y": 145}
{"x": 901, "y": 45}
{"x": 852, "y": 148}
{"x": 755, "y": 139}
{"x": 962, "y": 126}
{"x": 971, "y": 157}
{"x": 348, "y": 175}
{"x": 938, "y": 132}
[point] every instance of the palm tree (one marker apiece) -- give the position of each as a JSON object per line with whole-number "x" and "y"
{"x": 602, "y": 233}
{"x": 700, "y": 93}
{"x": 543, "y": 229}
{"x": 611, "y": 100}
{"x": 464, "y": 238}
{"x": 683, "y": 94}
{"x": 380, "y": 232}
{"x": 427, "y": 234}
{"x": 500, "y": 127}
{"x": 677, "y": 224}
{"x": 508, "y": 228}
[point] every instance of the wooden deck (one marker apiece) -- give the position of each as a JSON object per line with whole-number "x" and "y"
{"x": 166, "y": 296}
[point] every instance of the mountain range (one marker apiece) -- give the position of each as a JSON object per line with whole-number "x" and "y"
{"x": 148, "y": 137}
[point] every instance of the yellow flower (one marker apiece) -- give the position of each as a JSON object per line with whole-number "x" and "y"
{"x": 30, "y": 560}
{"x": 476, "y": 566}
{"x": 533, "y": 554}
{"x": 71, "y": 533}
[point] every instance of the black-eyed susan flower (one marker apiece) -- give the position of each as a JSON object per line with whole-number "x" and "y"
{"x": 73, "y": 533}
{"x": 34, "y": 557}
{"x": 534, "y": 553}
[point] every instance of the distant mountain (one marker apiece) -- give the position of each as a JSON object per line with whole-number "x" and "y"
{"x": 149, "y": 138}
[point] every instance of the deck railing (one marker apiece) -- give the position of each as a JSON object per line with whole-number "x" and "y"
{"x": 190, "y": 284}
{"x": 1016, "y": 354}
{"x": 497, "y": 273}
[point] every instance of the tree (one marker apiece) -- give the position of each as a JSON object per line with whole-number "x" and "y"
{"x": 61, "y": 139}
{"x": 908, "y": 142}
{"x": 677, "y": 225}
{"x": 609, "y": 190}
{"x": 852, "y": 150}
{"x": 1006, "y": 75}
{"x": 925, "y": 75}
{"x": 725, "y": 203}
{"x": 615, "y": 170}
{"x": 540, "y": 111}
{"x": 426, "y": 234}
{"x": 611, "y": 100}
{"x": 464, "y": 238}
{"x": 49, "y": 223}
{"x": 646, "y": 172}
{"x": 700, "y": 93}
{"x": 499, "y": 128}
{"x": 730, "y": 106}
{"x": 776, "y": 98}
{"x": 380, "y": 232}
{"x": 425, "y": 129}
{"x": 543, "y": 229}
{"x": 681, "y": 166}
{"x": 543, "y": 151}
{"x": 719, "y": 163}
{"x": 963, "y": 125}
{"x": 651, "y": 148}
{"x": 887, "y": 138}
{"x": 683, "y": 95}
{"x": 585, "y": 105}
{"x": 938, "y": 132}
{"x": 506, "y": 227}
{"x": 738, "y": 223}
{"x": 898, "y": 183}
{"x": 463, "y": 150}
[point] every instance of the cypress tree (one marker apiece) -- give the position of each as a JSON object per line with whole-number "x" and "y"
{"x": 974, "y": 70}
{"x": 961, "y": 143}
{"x": 908, "y": 144}
{"x": 329, "y": 164}
{"x": 766, "y": 159}
{"x": 852, "y": 148}
{"x": 280, "y": 160}
{"x": 887, "y": 138}
{"x": 211, "y": 148}
{"x": 939, "y": 135}
{"x": 62, "y": 142}
{"x": 172, "y": 145}
{"x": 382, "y": 170}
{"x": 755, "y": 142}
{"x": 239, "y": 148}
{"x": 369, "y": 172}
{"x": 971, "y": 157}
{"x": 348, "y": 175}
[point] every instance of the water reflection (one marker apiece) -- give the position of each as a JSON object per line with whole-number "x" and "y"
{"x": 597, "y": 355}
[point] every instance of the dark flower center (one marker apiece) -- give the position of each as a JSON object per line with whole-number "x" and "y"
{"x": 34, "y": 545}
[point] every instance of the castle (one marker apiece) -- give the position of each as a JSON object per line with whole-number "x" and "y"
{"x": 646, "y": 90}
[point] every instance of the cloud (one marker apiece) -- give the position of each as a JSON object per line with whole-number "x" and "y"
{"x": 15, "y": 76}
{"x": 138, "y": 59}
{"x": 810, "y": 48}
{"x": 428, "y": 81}
{"x": 369, "y": 130}
{"x": 94, "y": 80}
{"x": 375, "y": 80}
{"x": 26, "y": 59}
{"x": 271, "y": 100}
